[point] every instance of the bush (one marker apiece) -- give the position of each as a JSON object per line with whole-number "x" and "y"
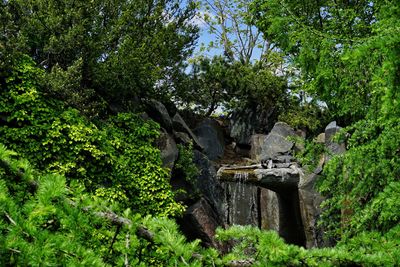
{"x": 115, "y": 158}
{"x": 59, "y": 225}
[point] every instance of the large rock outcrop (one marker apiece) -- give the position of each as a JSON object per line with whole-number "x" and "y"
{"x": 200, "y": 221}
{"x": 211, "y": 137}
{"x": 207, "y": 182}
{"x": 180, "y": 126}
{"x": 279, "y": 142}
{"x": 158, "y": 112}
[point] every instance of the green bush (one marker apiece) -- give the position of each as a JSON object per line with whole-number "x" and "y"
{"x": 266, "y": 248}
{"x": 59, "y": 225}
{"x": 114, "y": 158}
{"x": 361, "y": 183}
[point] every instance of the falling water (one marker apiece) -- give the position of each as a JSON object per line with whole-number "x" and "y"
{"x": 242, "y": 202}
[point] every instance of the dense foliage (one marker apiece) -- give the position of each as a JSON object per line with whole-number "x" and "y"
{"x": 348, "y": 56}
{"x": 118, "y": 49}
{"x": 220, "y": 83}
{"x": 81, "y": 182}
{"x": 115, "y": 159}
{"x": 44, "y": 221}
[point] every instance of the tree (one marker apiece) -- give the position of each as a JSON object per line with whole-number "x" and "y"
{"x": 123, "y": 48}
{"x": 218, "y": 82}
{"x": 316, "y": 35}
{"x": 348, "y": 55}
{"x": 232, "y": 25}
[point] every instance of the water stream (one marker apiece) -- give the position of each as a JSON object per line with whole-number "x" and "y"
{"x": 241, "y": 201}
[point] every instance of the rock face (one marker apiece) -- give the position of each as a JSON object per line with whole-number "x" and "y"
{"x": 256, "y": 142}
{"x": 274, "y": 195}
{"x": 310, "y": 201}
{"x": 208, "y": 184}
{"x": 182, "y": 138}
{"x": 283, "y": 205}
{"x": 269, "y": 210}
{"x": 268, "y": 199}
{"x": 248, "y": 121}
{"x": 211, "y": 137}
{"x": 288, "y": 200}
{"x": 157, "y": 111}
{"x": 276, "y": 143}
{"x": 200, "y": 221}
{"x": 180, "y": 126}
{"x": 243, "y": 126}
{"x": 168, "y": 148}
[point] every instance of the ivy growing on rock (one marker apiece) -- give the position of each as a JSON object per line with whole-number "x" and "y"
{"x": 115, "y": 158}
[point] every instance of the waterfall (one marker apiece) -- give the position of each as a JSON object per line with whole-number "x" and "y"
{"x": 241, "y": 201}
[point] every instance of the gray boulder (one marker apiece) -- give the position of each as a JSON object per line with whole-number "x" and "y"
{"x": 207, "y": 182}
{"x": 180, "y": 126}
{"x": 182, "y": 138}
{"x": 277, "y": 142}
{"x": 256, "y": 143}
{"x": 211, "y": 137}
{"x": 157, "y": 111}
{"x": 200, "y": 221}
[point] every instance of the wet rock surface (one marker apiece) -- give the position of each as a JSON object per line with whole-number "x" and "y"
{"x": 242, "y": 205}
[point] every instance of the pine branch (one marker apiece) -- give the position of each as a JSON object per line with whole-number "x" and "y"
{"x": 141, "y": 231}
{"x": 10, "y": 219}
{"x": 19, "y": 174}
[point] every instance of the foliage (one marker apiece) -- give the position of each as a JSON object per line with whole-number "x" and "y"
{"x": 119, "y": 49}
{"x": 312, "y": 154}
{"x": 231, "y": 24}
{"x": 217, "y": 83}
{"x": 337, "y": 47}
{"x": 348, "y": 56}
{"x": 363, "y": 175}
{"x": 266, "y": 248}
{"x": 52, "y": 224}
{"x": 115, "y": 158}
{"x": 66, "y": 86}
{"x": 308, "y": 116}
{"x": 185, "y": 168}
